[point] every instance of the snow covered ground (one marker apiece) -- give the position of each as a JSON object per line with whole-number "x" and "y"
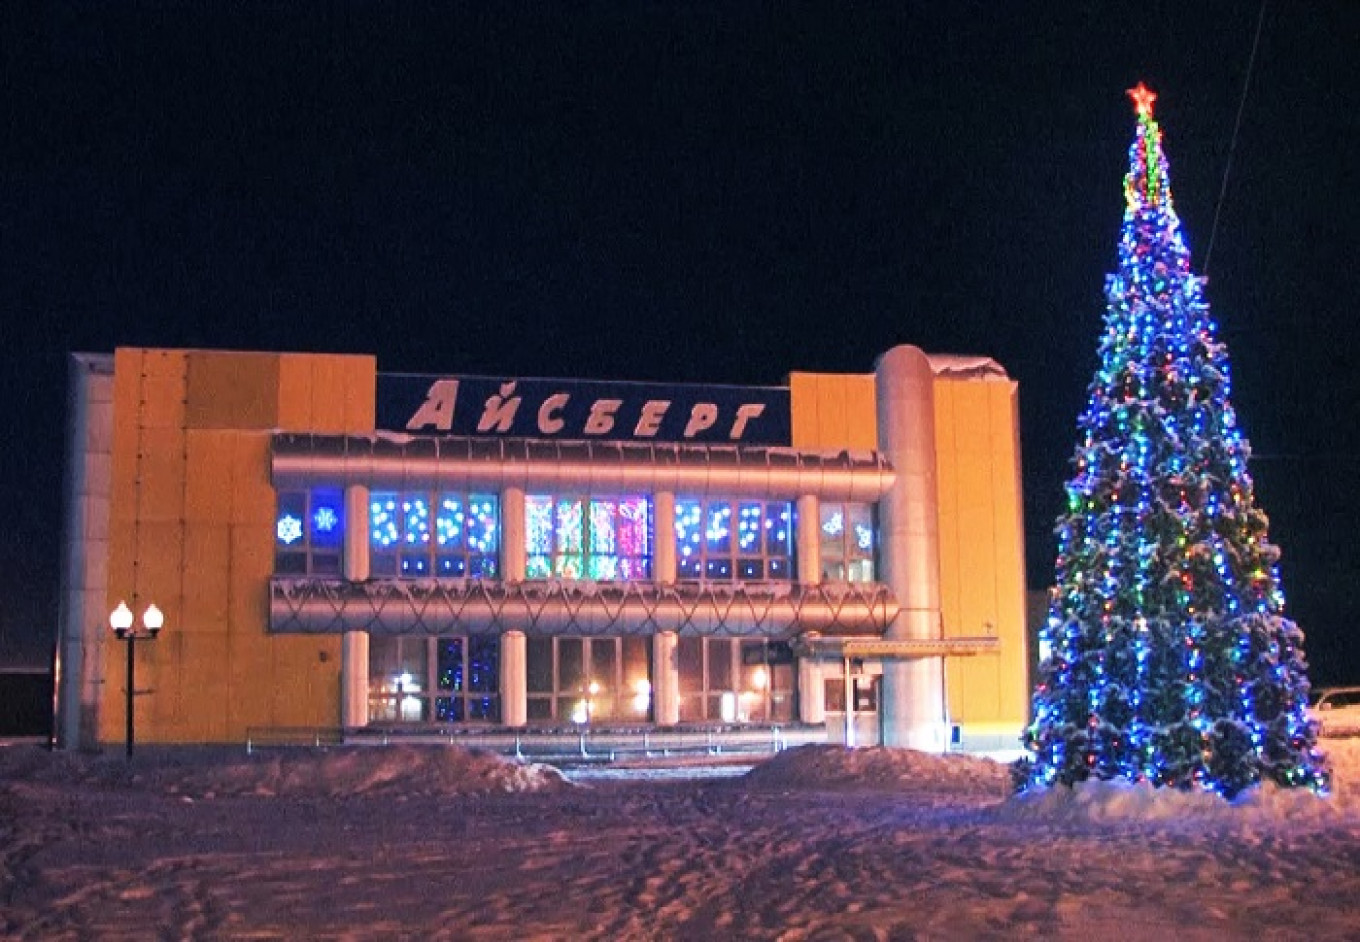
{"x": 816, "y": 843}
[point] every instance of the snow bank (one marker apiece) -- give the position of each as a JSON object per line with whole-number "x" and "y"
{"x": 1115, "y": 801}
{"x": 878, "y": 768}
{"x": 453, "y": 771}
{"x": 1140, "y": 801}
{"x": 333, "y": 772}
{"x": 908, "y": 771}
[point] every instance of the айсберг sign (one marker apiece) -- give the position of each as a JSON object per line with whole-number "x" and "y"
{"x": 539, "y": 408}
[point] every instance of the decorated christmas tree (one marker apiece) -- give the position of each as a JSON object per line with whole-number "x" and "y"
{"x": 1166, "y": 656}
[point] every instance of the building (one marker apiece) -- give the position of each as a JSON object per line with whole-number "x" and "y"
{"x": 337, "y": 547}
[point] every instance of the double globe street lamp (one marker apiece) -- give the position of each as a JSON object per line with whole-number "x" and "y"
{"x": 121, "y": 620}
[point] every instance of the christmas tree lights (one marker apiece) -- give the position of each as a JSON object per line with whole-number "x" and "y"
{"x": 1166, "y": 656}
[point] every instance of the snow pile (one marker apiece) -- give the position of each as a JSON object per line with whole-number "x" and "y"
{"x": 879, "y": 768}
{"x": 1119, "y": 800}
{"x": 1141, "y": 801}
{"x": 338, "y": 772}
{"x": 434, "y": 771}
{"x": 834, "y": 768}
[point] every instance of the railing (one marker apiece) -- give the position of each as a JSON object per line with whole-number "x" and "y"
{"x": 266, "y": 737}
{"x": 613, "y": 745}
{"x": 559, "y": 745}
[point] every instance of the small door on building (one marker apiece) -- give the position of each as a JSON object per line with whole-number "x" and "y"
{"x": 864, "y": 715}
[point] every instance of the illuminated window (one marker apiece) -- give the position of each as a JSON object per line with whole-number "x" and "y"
{"x": 864, "y": 689}
{"x": 418, "y": 534}
{"x": 588, "y": 680}
{"x": 441, "y": 680}
{"x": 600, "y": 538}
{"x": 467, "y": 679}
{"x": 848, "y": 542}
{"x": 733, "y": 540}
{"x": 399, "y": 681}
{"x": 309, "y": 532}
{"x": 730, "y": 680}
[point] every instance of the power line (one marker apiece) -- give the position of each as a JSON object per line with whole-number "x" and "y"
{"x": 1232, "y": 145}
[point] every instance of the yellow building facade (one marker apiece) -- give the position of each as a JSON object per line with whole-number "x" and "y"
{"x": 180, "y": 464}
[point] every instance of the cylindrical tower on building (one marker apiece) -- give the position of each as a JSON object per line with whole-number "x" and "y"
{"x": 913, "y": 701}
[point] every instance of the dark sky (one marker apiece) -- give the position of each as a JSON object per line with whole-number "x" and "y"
{"x": 718, "y": 192}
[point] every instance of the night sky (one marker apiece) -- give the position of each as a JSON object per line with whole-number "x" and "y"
{"x": 715, "y": 192}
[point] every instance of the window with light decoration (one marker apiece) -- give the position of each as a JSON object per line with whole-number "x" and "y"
{"x": 847, "y": 542}
{"x": 443, "y": 680}
{"x": 419, "y": 534}
{"x": 309, "y": 532}
{"x": 467, "y": 679}
{"x": 733, "y": 540}
{"x": 576, "y": 537}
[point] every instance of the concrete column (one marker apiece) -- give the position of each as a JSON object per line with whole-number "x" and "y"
{"x": 808, "y": 538}
{"x": 354, "y": 646}
{"x": 913, "y": 691}
{"x": 811, "y": 692}
{"x": 83, "y": 630}
{"x": 354, "y": 680}
{"x": 514, "y": 679}
{"x": 665, "y": 679}
{"x": 848, "y": 680}
{"x": 513, "y": 557}
{"x": 356, "y": 538}
{"x": 663, "y": 534}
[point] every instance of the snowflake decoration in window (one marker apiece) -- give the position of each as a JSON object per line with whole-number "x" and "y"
{"x": 748, "y": 526}
{"x": 416, "y": 520}
{"x": 449, "y": 522}
{"x": 834, "y": 523}
{"x": 718, "y": 526}
{"x": 382, "y": 515}
{"x": 687, "y": 517}
{"x": 325, "y": 519}
{"x": 289, "y": 529}
{"x": 482, "y": 527}
{"x": 864, "y": 536}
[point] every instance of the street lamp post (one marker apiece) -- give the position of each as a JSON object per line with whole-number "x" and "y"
{"x": 121, "y": 621}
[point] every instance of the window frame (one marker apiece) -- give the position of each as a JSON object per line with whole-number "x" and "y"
{"x": 553, "y": 564}
{"x": 393, "y": 701}
{"x": 735, "y": 563}
{"x": 431, "y": 560}
{"x": 841, "y": 548}
{"x": 313, "y": 557}
{"x": 622, "y": 697}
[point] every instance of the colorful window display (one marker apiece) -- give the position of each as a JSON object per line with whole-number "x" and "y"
{"x": 418, "y": 534}
{"x": 734, "y": 540}
{"x": 309, "y": 532}
{"x": 599, "y": 538}
{"x": 847, "y": 542}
